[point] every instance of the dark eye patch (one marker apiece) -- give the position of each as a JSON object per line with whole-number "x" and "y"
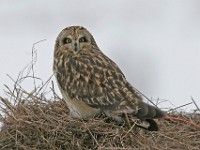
{"x": 83, "y": 39}
{"x": 66, "y": 40}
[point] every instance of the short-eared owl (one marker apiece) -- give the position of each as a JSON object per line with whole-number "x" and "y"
{"x": 92, "y": 84}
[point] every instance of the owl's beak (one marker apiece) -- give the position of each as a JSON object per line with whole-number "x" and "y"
{"x": 75, "y": 47}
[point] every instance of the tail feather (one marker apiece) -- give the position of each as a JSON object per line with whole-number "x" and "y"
{"x": 147, "y": 111}
{"x": 152, "y": 125}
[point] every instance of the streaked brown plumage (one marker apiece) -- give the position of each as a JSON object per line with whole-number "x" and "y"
{"x": 91, "y": 83}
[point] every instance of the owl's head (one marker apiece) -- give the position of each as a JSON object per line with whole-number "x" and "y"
{"x": 74, "y": 39}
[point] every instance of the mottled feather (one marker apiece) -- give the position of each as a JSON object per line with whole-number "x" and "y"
{"x": 88, "y": 77}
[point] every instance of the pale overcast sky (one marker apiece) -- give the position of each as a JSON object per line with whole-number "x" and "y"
{"x": 155, "y": 42}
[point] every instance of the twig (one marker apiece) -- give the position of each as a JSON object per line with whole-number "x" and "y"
{"x": 145, "y": 97}
{"x": 183, "y": 120}
{"x": 195, "y": 104}
{"x": 180, "y": 106}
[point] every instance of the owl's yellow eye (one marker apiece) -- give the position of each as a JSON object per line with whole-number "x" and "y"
{"x": 67, "y": 40}
{"x": 83, "y": 39}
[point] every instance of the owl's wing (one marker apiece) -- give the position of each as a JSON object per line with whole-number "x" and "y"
{"x": 97, "y": 81}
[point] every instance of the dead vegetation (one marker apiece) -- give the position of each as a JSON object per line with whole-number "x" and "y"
{"x": 44, "y": 124}
{"x": 30, "y": 121}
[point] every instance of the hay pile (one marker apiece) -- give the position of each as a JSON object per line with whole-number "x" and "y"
{"x": 43, "y": 124}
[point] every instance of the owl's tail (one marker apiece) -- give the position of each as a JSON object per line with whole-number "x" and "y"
{"x": 148, "y": 112}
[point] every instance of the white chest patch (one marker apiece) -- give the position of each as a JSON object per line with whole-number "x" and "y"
{"x": 79, "y": 109}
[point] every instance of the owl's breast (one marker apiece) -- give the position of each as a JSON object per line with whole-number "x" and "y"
{"x": 72, "y": 84}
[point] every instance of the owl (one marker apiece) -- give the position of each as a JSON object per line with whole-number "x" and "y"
{"x": 92, "y": 84}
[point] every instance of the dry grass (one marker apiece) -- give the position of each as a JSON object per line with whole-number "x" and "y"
{"x": 43, "y": 124}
